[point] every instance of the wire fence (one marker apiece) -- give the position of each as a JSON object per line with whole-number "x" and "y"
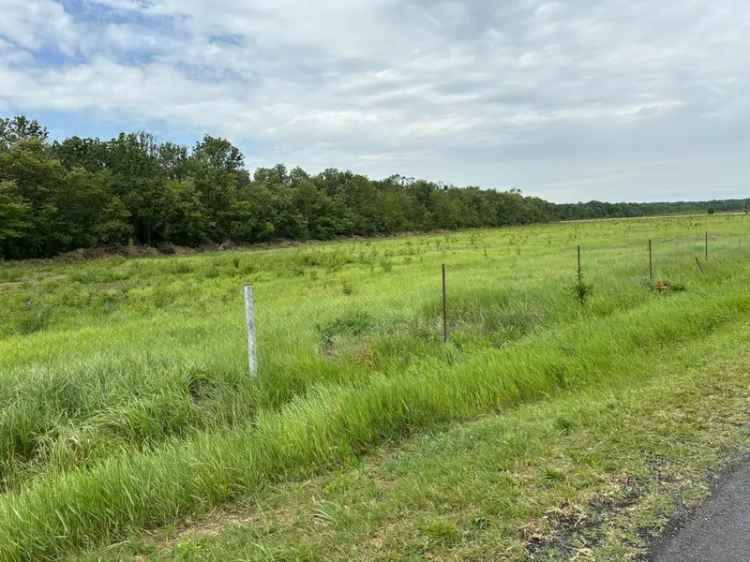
{"x": 567, "y": 260}
{"x": 655, "y": 260}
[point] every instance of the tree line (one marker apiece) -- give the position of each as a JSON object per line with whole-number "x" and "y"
{"x": 62, "y": 195}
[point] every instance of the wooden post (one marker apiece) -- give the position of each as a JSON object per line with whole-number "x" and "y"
{"x": 250, "y": 320}
{"x": 650, "y": 261}
{"x": 706, "y": 246}
{"x": 445, "y": 309}
{"x": 579, "y": 265}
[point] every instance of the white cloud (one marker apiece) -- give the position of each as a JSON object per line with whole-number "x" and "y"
{"x": 34, "y": 24}
{"x": 527, "y": 92}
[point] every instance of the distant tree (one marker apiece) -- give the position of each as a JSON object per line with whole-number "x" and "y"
{"x": 81, "y": 192}
{"x": 18, "y": 129}
{"x": 90, "y": 154}
{"x": 216, "y": 168}
{"x": 173, "y": 159}
{"x": 276, "y": 176}
{"x": 187, "y": 221}
{"x": 15, "y": 219}
{"x": 37, "y": 180}
{"x": 218, "y": 154}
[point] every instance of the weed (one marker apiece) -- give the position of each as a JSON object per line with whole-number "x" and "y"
{"x": 352, "y": 324}
{"x": 582, "y": 291}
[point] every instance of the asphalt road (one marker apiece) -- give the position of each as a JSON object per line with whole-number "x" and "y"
{"x": 719, "y": 531}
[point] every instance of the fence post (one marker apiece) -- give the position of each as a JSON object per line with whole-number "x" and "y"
{"x": 650, "y": 261}
{"x": 706, "y": 246}
{"x": 579, "y": 265}
{"x": 250, "y": 321}
{"x": 445, "y": 309}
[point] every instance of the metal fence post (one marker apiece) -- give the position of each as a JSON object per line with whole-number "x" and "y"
{"x": 650, "y": 261}
{"x": 706, "y": 246}
{"x": 250, "y": 321}
{"x": 445, "y": 309}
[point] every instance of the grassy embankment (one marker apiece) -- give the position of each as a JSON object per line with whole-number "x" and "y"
{"x": 126, "y": 403}
{"x": 592, "y": 474}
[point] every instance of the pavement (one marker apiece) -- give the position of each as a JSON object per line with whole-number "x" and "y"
{"x": 719, "y": 530}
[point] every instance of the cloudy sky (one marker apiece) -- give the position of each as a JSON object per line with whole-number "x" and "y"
{"x": 606, "y": 99}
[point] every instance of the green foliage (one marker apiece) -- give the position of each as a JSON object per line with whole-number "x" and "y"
{"x": 18, "y": 129}
{"x": 82, "y": 193}
{"x": 352, "y": 324}
{"x": 14, "y": 214}
{"x": 602, "y": 209}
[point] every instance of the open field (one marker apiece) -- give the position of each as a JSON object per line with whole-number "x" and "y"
{"x": 126, "y": 402}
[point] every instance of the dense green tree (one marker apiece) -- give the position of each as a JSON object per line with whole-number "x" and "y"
{"x": 88, "y": 212}
{"x": 90, "y": 154}
{"x": 83, "y": 192}
{"x": 255, "y": 215}
{"x": 187, "y": 221}
{"x": 18, "y": 129}
{"x": 15, "y": 216}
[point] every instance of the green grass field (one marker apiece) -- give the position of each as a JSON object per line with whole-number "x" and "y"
{"x": 126, "y": 402}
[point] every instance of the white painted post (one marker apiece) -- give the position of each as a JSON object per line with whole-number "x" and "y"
{"x": 250, "y": 320}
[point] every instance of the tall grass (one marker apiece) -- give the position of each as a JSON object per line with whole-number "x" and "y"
{"x": 334, "y": 423}
{"x": 117, "y": 375}
{"x": 76, "y": 412}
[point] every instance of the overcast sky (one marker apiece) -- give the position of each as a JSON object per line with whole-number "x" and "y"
{"x": 577, "y": 100}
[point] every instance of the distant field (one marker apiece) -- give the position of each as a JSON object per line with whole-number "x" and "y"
{"x": 126, "y": 402}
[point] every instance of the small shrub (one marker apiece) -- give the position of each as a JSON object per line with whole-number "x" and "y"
{"x": 352, "y": 324}
{"x": 582, "y": 291}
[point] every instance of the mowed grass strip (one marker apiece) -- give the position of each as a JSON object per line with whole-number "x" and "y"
{"x": 332, "y": 425}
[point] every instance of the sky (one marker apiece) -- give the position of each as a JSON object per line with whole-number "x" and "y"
{"x": 617, "y": 100}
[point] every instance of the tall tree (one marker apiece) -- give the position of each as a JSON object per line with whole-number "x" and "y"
{"x": 18, "y": 129}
